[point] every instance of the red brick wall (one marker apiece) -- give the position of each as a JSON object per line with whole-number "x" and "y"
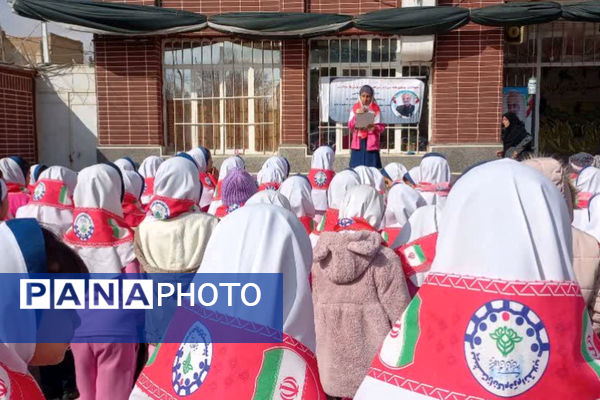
{"x": 17, "y": 113}
{"x": 467, "y": 84}
{"x": 352, "y": 7}
{"x": 129, "y": 89}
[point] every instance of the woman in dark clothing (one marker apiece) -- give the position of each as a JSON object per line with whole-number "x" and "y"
{"x": 516, "y": 141}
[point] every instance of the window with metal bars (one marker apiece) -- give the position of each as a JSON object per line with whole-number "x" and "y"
{"x": 362, "y": 57}
{"x": 224, "y": 95}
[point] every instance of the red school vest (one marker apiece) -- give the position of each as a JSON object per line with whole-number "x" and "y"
{"x": 320, "y": 178}
{"x": 471, "y": 338}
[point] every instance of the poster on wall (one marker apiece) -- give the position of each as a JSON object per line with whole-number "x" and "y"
{"x": 516, "y": 100}
{"x": 400, "y": 99}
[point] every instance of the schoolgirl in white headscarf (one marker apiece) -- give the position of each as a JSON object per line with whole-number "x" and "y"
{"x": 228, "y": 165}
{"x": 133, "y": 212}
{"x": 147, "y": 170}
{"x": 402, "y": 202}
{"x": 279, "y": 163}
{"x": 26, "y": 249}
{"x": 14, "y": 170}
{"x": 297, "y": 190}
{"x": 203, "y": 159}
{"x": 258, "y": 238}
{"x": 362, "y": 209}
{"x": 174, "y": 235}
{"x": 52, "y": 200}
{"x": 516, "y": 311}
{"x": 126, "y": 164}
{"x": 414, "y": 175}
{"x": 372, "y": 177}
{"x": 34, "y": 174}
{"x": 394, "y": 173}
{"x": 587, "y": 185}
{"x": 320, "y": 176}
{"x": 269, "y": 178}
{"x": 434, "y": 183}
{"x": 99, "y": 234}
{"x": 340, "y": 184}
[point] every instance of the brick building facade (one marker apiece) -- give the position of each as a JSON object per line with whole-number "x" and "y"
{"x": 136, "y": 118}
{"x": 17, "y": 112}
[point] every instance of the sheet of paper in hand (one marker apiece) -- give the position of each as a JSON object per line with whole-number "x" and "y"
{"x": 365, "y": 119}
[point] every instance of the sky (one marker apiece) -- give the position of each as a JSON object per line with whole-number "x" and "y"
{"x": 14, "y": 25}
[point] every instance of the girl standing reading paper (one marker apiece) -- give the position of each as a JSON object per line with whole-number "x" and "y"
{"x": 365, "y": 139}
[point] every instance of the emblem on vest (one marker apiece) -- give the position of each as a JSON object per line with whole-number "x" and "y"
{"x": 207, "y": 181}
{"x": 506, "y": 347}
{"x": 192, "y": 360}
{"x": 160, "y": 209}
{"x": 4, "y": 385}
{"x": 39, "y": 192}
{"x": 83, "y": 226}
{"x": 232, "y": 208}
{"x": 344, "y": 222}
{"x": 320, "y": 179}
{"x": 289, "y": 389}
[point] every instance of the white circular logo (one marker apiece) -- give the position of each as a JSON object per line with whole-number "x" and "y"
{"x": 39, "y": 192}
{"x": 320, "y": 179}
{"x": 192, "y": 361}
{"x": 83, "y": 226}
{"x": 160, "y": 209}
{"x": 506, "y": 347}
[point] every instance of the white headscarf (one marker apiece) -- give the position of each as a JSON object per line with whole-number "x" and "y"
{"x": 262, "y": 238}
{"x": 125, "y": 164}
{"x": 270, "y": 197}
{"x": 100, "y": 187}
{"x": 415, "y": 174}
{"x": 297, "y": 190}
{"x": 396, "y": 171}
{"x": 3, "y": 190}
{"x": 34, "y": 173}
{"x": 133, "y": 183}
{"x": 198, "y": 155}
{"x": 365, "y": 202}
{"x": 149, "y": 166}
{"x": 365, "y": 174}
{"x": 269, "y": 175}
{"x": 503, "y": 221}
{"x": 339, "y": 185}
{"x": 423, "y": 221}
{"x": 518, "y": 222}
{"x": 402, "y": 202}
{"x": 11, "y": 171}
{"x": 280, "y": 163}
{"x": 23, "y": 250}
{"x": 323, "y": 158}
{"x": 177, "y": 178}
{"x": 434, "y": 169}
{"x": 227, "y": 166}
{"x": 378, "y": 180}
{"x": 58, "y": 220}
{"x": 588, "y": 181}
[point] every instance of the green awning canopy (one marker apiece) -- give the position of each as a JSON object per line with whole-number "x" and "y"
{"x": 122, "y": 19}
{"x": 110, "y": 18}
{"x": 414, "y": 21}
{"x": 279, "y": 25}
{"x": 588, "y": 11}
{"x": 517, "y": 14}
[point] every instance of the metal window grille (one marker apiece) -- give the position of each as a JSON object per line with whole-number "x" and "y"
{"x": 362, "y": 57}
{"x": 224, "y": 95}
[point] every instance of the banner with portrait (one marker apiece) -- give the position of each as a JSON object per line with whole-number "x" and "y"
{"x": 517, "y": 101}
{"x": 400, "y": 99}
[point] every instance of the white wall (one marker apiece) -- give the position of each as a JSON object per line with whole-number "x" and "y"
{"x": 67, "y": 128}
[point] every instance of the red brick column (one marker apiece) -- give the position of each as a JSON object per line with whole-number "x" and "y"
{"x": 129, "y": 89}
{"x": 467, "y": 84}
{"x": 17, "y": 113}
{"x": 294, "y": 92}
